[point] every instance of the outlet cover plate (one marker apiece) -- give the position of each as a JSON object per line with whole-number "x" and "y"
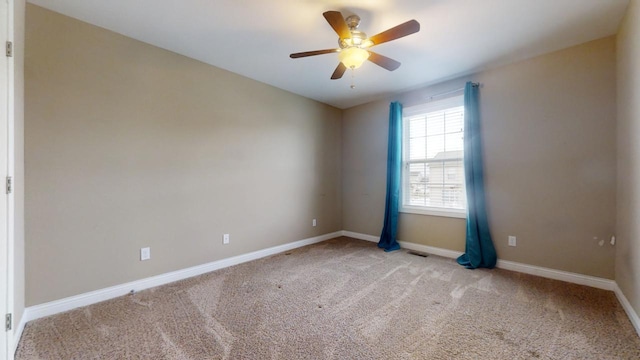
{"x": 145, "y": 254}
{"x": 512, "y": 241}
{"x": 225, "y": 239}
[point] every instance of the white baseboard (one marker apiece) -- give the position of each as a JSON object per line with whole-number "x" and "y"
{"x": 18, "y": 332}
{"x": 626, "y": 305}
{"x": 360, "y": 236}
{"x": 58, "y": 306}
{"x": 596, "y": 282}
{"x": 575, "y": 278}
{"x": 452, "y": 254}
{"x": 407, "y": 245}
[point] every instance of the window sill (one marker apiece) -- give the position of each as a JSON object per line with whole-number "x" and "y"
{"x": 461, "y": 214}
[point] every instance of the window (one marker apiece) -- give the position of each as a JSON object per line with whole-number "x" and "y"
{"x": 432, "y": 155}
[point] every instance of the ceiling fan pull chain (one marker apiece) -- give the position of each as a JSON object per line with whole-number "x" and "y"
{"x": 353, "y": 71}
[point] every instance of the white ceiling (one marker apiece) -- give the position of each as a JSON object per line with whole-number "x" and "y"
{"x": 255, "y": 37}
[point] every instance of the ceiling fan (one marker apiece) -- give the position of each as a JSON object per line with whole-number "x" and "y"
{"x": 354, "y": 44}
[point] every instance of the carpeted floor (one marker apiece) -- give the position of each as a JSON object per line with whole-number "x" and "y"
{"x": 344, "y": 299}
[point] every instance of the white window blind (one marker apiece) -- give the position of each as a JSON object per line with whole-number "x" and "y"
{"x": 433, "y": 166}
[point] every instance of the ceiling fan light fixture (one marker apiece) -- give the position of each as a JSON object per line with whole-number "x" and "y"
{"x": 353, "y": 57}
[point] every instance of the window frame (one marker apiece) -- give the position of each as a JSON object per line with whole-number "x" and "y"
{"x": 432, "y": 106}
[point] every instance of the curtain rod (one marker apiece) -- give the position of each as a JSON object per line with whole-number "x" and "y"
{"x": 450, "y": 92}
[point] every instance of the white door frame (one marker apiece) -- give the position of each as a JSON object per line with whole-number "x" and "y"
{"x": 7, "y": 170}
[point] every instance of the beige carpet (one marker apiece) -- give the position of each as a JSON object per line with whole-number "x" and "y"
{"x": 344, "y": 299}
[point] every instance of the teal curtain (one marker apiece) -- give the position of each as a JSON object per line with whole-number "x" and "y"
{"x": 479, "y": 250}
{"x": 388, "y": 239}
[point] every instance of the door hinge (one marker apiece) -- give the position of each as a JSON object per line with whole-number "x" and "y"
{"x": 9, "y": 49}
{"x": 8, "y": 322}
{"x": 9, "y": 185}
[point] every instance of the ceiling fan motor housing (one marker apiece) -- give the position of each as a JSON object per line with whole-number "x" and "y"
{"x": 358, "y": 39}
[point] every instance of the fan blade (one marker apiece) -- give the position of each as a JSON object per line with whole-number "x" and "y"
{"x": 397, "y": 32}
{"x": 312, "y": 53}
{"x": 339, "y": 71}
{"x": 383, "y": 61}
{"x": 335, "y": 19}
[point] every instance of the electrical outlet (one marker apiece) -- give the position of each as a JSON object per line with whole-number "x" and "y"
{"x": 225, "y": 239}
{"x": 145, "y": 254}
{"x": 512, "y": 240}
{"x": 313, "y": 222}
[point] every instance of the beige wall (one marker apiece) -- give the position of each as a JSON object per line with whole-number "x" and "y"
{"x": 549, "y": 135}
{"x": 628, "y": 212}
{"x": 128, "y": 145}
